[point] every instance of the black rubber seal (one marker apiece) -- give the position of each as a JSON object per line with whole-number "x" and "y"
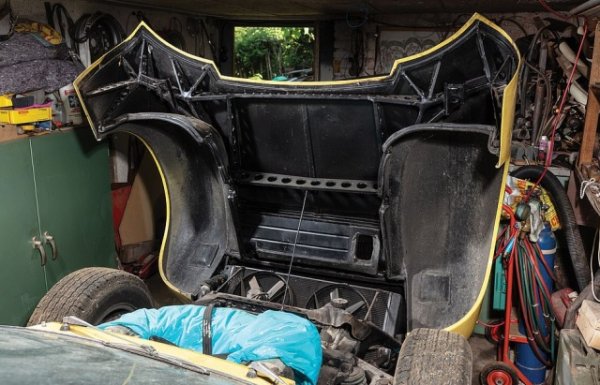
{"x": 206, "y": 330}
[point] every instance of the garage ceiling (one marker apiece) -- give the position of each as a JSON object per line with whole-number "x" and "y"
{"x": 306, "y": 9}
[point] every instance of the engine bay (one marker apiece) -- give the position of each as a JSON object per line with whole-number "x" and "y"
{"x": 315, "y": 195}
{"x": 355, "y": 351}
{"x": 361, "y": 328}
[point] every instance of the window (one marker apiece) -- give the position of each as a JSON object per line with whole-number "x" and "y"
{"x": 274, "y": 53}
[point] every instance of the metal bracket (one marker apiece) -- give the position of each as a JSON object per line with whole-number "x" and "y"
{"x": 305, "y": 183}
{"x": 454, "y": 96}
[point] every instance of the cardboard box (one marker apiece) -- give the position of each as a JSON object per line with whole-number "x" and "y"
{"x": 588, "y": 323}
{"x": 144, "y": 206}
{"x": 9, "y": 132}
{"x": 133, "y": 252}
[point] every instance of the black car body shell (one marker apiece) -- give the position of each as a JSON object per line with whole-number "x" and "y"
{"x": 414, "y": 162}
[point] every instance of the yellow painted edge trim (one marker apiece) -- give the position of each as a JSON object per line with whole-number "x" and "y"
{"x": 81, "y": 102}
{"x": 476, "y": 17}
{"x": 507, "y": 113}
{"x": 507, "y": 117}
{"x": 221, "y": 366}
{"x": 163, "y": 275}
{"x": 466, "y": 324}
{"x": 509, "y": 98}
{"x": 472, "y": 20}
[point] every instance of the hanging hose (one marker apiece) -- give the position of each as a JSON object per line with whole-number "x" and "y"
{"x": 533, "y": 294}
{"x": 570, "y": 230}
{"x": 530, "y": 289}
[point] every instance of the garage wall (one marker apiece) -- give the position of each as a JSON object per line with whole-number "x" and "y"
{"x": 336, "y": 62}
{"x": 34, "y": 10}
{"x": 347, "y": 31}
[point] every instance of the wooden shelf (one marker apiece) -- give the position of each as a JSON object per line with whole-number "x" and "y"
{"x": 590, "y": 128}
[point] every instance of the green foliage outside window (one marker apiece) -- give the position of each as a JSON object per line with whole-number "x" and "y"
{"x": 269, "y": 52}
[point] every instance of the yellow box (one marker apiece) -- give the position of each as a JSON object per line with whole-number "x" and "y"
{"x": 6, "y": 100}
{"x": 26, "y": 115}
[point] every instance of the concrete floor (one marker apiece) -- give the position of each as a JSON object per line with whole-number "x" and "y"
{"x": 484, "y": 353}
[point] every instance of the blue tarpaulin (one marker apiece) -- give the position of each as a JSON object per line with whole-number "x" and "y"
{"x": 242, "y": 336}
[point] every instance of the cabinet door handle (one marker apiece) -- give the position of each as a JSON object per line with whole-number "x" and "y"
{"x": 39, "y": 246}
{"x": 50, "y": 239}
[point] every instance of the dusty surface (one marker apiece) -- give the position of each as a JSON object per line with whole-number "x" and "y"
{"x": 483, "y": 353}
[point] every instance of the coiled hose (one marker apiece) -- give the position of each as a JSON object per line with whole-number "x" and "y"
{"x": 566, "y": 215}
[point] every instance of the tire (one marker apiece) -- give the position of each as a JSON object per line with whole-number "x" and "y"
{"x": 94, "y": 294}
{"x": 498, "y": 373}
{"x": 434, "y": 357}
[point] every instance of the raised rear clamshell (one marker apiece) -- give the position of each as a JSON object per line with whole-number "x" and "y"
{"x": 403, "y": 174}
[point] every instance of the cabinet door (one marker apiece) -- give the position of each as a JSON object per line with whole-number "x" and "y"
{"x": 71, "y": 171}
{"x": 21, "y": 275}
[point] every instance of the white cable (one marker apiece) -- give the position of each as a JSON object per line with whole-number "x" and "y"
{"x": 584, "y": 185}
{"x": 287, "y": 281}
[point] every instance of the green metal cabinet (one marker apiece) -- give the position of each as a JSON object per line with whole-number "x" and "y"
{"x": 21, "y": 277}
{"x": 54, "y": 189}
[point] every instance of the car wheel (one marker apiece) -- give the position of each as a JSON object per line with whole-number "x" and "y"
{"x": 94, "y": 294}
{"x": 434, "y": 357}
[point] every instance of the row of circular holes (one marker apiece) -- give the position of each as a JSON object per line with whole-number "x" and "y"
{"x": 300, "y": 182}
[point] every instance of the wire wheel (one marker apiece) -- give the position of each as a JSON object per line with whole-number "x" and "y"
{"x": 498, "y": 373}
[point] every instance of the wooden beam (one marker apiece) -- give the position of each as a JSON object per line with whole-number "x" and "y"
{"x": 592, "y": 111}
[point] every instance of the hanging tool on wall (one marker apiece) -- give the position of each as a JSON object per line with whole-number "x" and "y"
{"x": 91, "y": 36}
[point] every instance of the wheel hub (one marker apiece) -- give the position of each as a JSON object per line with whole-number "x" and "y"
{"x": 498, "y": 377}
